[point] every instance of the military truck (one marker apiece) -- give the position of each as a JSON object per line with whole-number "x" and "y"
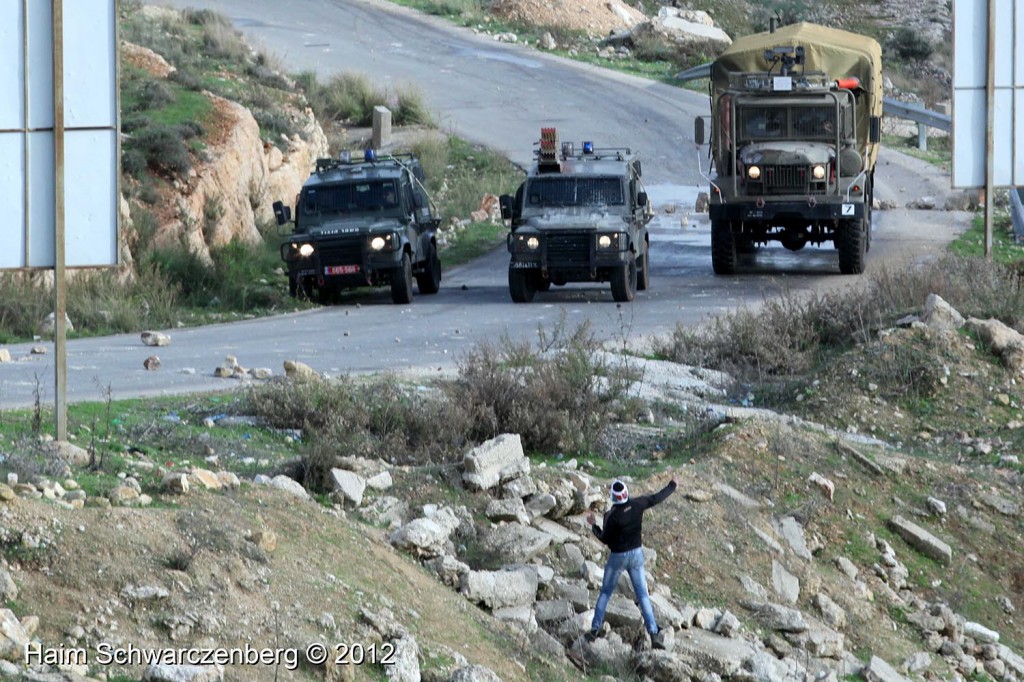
{"x": 365, "y": 222}
{"x": 580, "y": 216}
{"x": 795, "y": 126}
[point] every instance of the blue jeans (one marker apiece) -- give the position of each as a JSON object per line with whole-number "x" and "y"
{"x": 633, "y": 562}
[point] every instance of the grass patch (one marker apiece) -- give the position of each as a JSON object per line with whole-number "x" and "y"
{"x": 939, "y": 152}
{"x": 1005, "y": 249}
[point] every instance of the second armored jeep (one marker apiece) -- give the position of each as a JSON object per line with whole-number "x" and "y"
{"x": 362, "y": 223}
{"x": 580, "y": 216}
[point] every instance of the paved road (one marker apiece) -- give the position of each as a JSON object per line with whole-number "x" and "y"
{"x": 499, "y": 95}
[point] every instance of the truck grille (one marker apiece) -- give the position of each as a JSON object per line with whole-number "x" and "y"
{"x": 341, "y": 251}
{"x": 786, "y": 179}
{"x": 569, "y": 248}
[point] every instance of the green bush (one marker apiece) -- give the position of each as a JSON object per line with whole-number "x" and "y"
{"x": 163, "y": 147}
{"x": 410, "y": 109}
{"x": 909, "y": 45}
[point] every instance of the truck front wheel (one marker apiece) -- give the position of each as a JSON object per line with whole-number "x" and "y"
{"x": 624, "y": 282}
{"x": 401, "y": 281}
{"x": 520, "y": 285}
{"x": 851, "y": 243}
{"x": 723, "y": 248}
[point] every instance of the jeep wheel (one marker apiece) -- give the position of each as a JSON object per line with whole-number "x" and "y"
{"x": 851, "y": 245}
{"x": 429, "y": 281}
{"x": 293, "y": 287}
{"x": 401, "y": 281}
{"x": 541, "y": 283}
{"x": 723, "y": 248}
{"x": 520, "y": 285}
{"x": 624, "y": 282}
{"x": 643, "y": 273}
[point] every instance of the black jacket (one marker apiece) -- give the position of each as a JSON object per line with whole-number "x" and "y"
{"x": 623, "y": 523}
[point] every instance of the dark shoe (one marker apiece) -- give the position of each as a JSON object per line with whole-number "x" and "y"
{"x": 658, "y": 640}
{"x": 591, "y": 636}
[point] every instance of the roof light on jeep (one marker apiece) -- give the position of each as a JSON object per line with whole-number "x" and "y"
{"x": 346, "y": 156}
{"x": 848, "y": 83}
{"x": 370, "y": 155}
{"x": 588, "y": 147}
{"x": 568, "y": 149}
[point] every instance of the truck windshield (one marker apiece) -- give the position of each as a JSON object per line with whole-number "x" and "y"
{"x": 351, "y": 197}
{"x": 798, "y": 123}
{"x": 574, "y": 191}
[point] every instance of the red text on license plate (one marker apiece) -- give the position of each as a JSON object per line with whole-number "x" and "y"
{"x": 341, "y": 269}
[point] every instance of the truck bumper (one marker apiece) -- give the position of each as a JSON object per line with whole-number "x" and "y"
{"x": 788, "y": 210}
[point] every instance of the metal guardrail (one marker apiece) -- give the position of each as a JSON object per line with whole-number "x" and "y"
{"x": 1017, "y": 213}
{"x": 925, "y": 118}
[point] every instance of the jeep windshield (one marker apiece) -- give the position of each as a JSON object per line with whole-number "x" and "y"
{"x": 367, "y": 196}
{"x": 574, "y": 191}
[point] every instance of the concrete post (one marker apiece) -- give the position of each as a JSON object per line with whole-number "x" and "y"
{"x": 381, "y": 127}
{"x": 922, "y": 137}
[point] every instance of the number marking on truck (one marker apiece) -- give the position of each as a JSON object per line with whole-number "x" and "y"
{"x": 848, "y": 209}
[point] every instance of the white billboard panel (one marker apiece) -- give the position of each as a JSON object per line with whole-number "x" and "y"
{"x": 12, "y": 198}
{"x": 970, "y": 104}
{"x": 90, "y": 55}
{"x": 90, "y": 190}
{"x": 12, "y": 80}
{"x": 41, "y": 208}
{"x": 27, "y": 164}
{"x": 39, "y": 70}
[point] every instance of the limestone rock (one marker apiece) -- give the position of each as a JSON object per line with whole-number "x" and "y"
{"x": 265, "y": 539}
{"x": 205, "y": 479}
{"x": 13, "y": 637}
{"x": 511, "y": 509}
{"x": 494, "y": 461}
{"x": 406, "y": 665}
{"x": 474, "y": 673}
{"x": 1002, "y": 340}
{"x": 350, "y": 486}
{"x": 785, "y": 583}
{"x": 8, "y": 590}
{"x": 880, "y": 671}
{"x": 496, "y": 589}
{"x": 938, "y": 314}
{"x": 299, "y": 371}
{"x": 175, "y": 483}
{"x": 922, "y": 540}
{"x": 424, "y": 537}
{"x": 5, "y": 355}
{"x": 289, "y": 485}
{"x": 47, "y": 327}
{"x": 155, "y": 339}
{"x": 183, "y": 673}
{"x": 151, "y": 364}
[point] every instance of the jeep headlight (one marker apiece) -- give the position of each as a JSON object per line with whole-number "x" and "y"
{"x": 305, "y": 250}
{"x": 383, "y": 242}
{"x": 754, "y": 172}
{"x": 524, "y": 243}
{"x": 818, "y": 172}
{"x": 609, "y": 240}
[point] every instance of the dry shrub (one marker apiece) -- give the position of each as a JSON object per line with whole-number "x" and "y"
{"x": 789, "y": 334}
{"x": 557, "y": 397}
{"x": 380, "y": 419}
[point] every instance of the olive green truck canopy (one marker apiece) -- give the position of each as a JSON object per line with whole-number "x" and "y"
{"x": 839, "y": 54}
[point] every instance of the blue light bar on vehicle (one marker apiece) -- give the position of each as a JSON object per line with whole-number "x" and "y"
{"x": 370, "y": 155}
{"x": 588, "y": 147}
{"x": 346, "y": 156}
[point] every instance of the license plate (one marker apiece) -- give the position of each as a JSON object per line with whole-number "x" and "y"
{"x": 341, "y": 269}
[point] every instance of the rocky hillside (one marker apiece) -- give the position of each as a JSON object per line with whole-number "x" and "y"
{"x": 863, "y": 539}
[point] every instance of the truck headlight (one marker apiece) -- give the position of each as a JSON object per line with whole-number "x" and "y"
{"x": 305, "y": 250}
{"x": 818, "y": 172}
{"x": 754, "y": 172}
{"x": 609, "y": 241}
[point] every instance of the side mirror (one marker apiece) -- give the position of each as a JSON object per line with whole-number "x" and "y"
{"x": 639, "y": 168}
{"x": 875, "y": 129}
{"x": 699, "y": 134}
{"x": 505, "y": 202}
{"x": 641, "y": 199}
{"x": 282, "y": 213}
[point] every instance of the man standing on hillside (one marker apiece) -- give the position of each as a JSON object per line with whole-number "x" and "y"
{"x": 621, "y": 531}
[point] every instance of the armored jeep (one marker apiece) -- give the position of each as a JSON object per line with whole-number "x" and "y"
{"x": 580, "y": 216}
{"x": 362, "y": 223}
